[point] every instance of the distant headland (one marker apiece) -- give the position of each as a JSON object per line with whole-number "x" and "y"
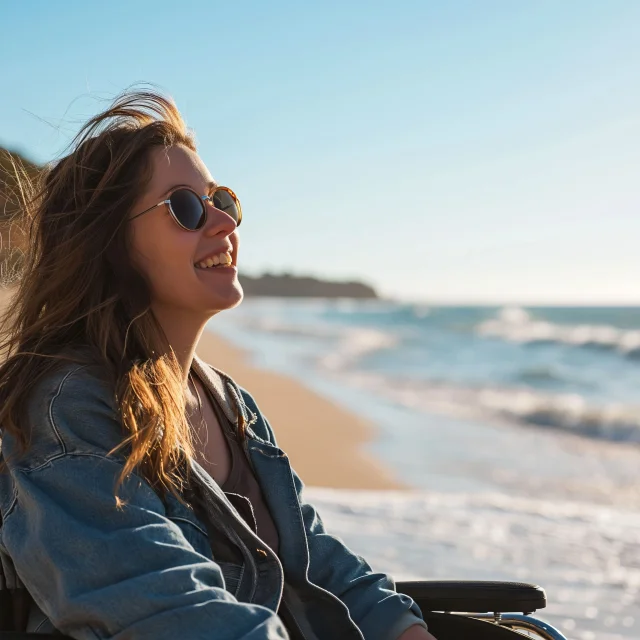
{"x": 288, "y": 285}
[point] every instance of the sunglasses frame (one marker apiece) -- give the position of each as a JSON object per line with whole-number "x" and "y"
{"x": 202, "y": 199}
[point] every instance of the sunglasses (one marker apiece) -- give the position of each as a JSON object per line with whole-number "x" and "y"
{"x": 190, "y": 211}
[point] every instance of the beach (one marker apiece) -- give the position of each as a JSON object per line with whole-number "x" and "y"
{"x": 514, "y": 432}
{"x": 324, "y": 441}
{"x": 432, "y": 479}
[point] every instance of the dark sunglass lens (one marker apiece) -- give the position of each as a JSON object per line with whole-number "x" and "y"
{"x": 224, "y": 201}
{"x": 188, "y": 208}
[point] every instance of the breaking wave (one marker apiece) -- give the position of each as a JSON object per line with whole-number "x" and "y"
{"x": 517, "y": 325}
{"x": 345, "y": 344}
{"x": 563, "y": 412}
{"x": 356, "y": 343}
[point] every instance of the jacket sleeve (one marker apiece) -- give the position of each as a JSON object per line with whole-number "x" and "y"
{"x": 379, "y": 611}
{"x": 100, "y": 571}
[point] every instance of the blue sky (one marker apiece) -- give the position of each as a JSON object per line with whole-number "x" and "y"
{"x": 468, "y": 150}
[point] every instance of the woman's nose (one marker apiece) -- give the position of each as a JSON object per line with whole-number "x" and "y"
{"x": 218, "y": 221}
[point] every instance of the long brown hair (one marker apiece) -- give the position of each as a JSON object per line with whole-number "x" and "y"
{"x": 78, "y": 286}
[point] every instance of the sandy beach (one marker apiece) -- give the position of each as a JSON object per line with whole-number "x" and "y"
{"x": 323, "y": 441}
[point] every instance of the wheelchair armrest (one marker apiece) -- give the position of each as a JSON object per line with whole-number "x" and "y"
{"x": 474, "y": 597}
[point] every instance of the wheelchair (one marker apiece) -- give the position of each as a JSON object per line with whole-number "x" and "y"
{"x": 452, "y": 609}
{"x": 478, "y": 610}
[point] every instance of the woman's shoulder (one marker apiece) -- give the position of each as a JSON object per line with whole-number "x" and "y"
{"x": 70, "y": 380}
{"x": 70, "y": 410}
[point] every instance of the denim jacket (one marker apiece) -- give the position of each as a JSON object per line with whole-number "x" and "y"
{"x": 158, "y": 568}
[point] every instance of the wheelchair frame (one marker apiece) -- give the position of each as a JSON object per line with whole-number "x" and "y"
{"x": 492, "y": 602}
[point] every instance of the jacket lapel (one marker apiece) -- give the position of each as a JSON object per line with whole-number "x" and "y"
{"x": 273, "y": 472}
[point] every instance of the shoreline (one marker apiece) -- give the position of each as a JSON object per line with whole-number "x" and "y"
{"x": 324, "y": 441}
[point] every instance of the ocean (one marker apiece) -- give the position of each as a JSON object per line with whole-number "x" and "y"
{"x": 519, "y": 429}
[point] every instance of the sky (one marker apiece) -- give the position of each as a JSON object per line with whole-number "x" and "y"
{"x": 468, "y": 151}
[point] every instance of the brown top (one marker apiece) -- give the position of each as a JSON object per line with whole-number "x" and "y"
{"x": 244, "y": 492}
{"x": 242, "y": 482}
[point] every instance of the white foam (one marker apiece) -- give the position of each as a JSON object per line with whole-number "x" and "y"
{"x": 564, "y": 411}
{"x": 586, "y": 556}
{"x": 517, "y": 325}
{"x": 345, "y": 344}
{"x": 567, "y": 412}
{"x": 355, "y": 343}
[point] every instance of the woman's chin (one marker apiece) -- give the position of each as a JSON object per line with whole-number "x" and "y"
{"x": 230, "y": 297}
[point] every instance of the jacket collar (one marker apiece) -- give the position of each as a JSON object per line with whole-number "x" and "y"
{"x": 225, "y": 391}
{"x": 221, "y": 385}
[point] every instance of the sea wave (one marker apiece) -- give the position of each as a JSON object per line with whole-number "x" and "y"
{"x": 347, "y": 343}
{"x": 355, "y": 343}
{"x": 571, "y": 413}
{"x": 540, "y": 374}
{"x": 280, "y": 327}
{"x": 517, "y": 325}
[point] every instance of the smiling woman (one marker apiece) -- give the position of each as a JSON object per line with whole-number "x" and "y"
{"x": 146, "y": 496}
{"x": 186, "y": 230}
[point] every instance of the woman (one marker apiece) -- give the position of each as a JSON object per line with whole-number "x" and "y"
{"x": 145, "y": 495}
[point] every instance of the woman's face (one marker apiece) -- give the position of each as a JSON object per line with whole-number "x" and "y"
{"x": 167, "y": 254}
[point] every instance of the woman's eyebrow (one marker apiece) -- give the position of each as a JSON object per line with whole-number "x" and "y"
{"x": 210, "y": 185}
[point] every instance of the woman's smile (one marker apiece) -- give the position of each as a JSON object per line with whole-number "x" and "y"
{"x": 226, "y": 268}
{"x": 215, "y": 260}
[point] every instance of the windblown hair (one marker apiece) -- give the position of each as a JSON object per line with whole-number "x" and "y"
{"x": 79, "y": 287}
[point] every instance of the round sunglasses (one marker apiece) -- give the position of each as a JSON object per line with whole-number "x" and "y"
{"x": 189, "y": 210}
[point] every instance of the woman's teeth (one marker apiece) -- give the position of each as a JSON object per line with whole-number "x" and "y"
{"x": 220, "y": 260}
